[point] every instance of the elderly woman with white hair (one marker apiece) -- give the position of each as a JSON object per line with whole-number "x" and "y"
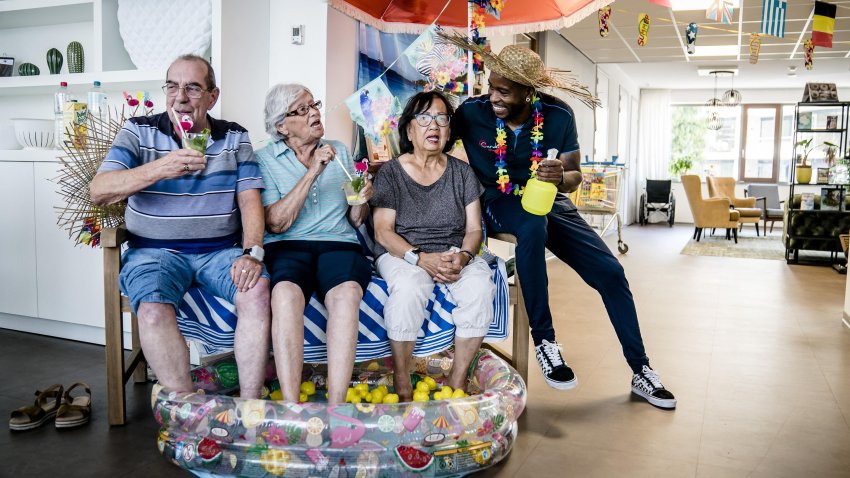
{"x": 311, "y": 244}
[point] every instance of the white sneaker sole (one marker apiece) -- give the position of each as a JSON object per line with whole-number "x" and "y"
{"x": 665, "y": 403}
{"x": 562, "y": 385}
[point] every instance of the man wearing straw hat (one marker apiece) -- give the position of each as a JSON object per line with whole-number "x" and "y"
{"x": 501, "y": 132}
{"x": 193, "y": 217}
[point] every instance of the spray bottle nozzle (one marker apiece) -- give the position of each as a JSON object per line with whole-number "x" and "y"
{"x": 552, "y": 154}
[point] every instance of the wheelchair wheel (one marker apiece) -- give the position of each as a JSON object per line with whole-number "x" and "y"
{"x": 672, "y": 213}
{"x": 622, "y": 247}
{"x": 642, "y": 210}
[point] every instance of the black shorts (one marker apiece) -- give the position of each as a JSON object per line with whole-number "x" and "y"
{"x": 317, "y": 266}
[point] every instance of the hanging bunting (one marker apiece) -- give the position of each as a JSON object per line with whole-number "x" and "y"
{"x": 823, "y": 24}
{"x": 442, "y": 64}
{"x": 476, "y": 31}
{"x": 604, "y": 15}
{"x": 643, "y": 29}
{"x": 720, "y": 11}
{"x": 809, "y": 56}
{"x": 773, "y": 18}
{"x": 663, "y": 3}
{"x": 374, "y": 108}
{"x": 691, "y": 34}
{"x": 755, "y": 47}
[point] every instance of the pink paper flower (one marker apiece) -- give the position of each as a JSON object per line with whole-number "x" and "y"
{"x": 361, "y": 167}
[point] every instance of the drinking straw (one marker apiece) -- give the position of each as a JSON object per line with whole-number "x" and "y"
{"x": 345, "y": 171}
{"x": 179, "y": 126}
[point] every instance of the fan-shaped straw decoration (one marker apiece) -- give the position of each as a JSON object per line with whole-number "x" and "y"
{"x": 79, "y": 216}
{"x": 525, "y": 67}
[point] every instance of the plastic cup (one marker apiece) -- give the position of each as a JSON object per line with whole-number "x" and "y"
{"x": 196, "y": 141}
{"x": 352, "y": 192}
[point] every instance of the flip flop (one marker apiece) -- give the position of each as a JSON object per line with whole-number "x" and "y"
{"x": 76, "y": 410}
{"x": 45, "y": 407}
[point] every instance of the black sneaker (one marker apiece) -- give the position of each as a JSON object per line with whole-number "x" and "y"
{"x": 647, "y": 384}
{"x": 556, "y": 372}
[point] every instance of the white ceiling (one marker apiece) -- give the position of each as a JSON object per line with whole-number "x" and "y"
{"x": 663, "y": 62}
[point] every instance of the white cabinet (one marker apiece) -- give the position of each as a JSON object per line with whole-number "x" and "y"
{"x": 70, "y": 278}
{"x": 17, "y": 240}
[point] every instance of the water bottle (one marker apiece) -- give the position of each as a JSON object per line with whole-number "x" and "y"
{"x": 539, "y": 196}
{"x": 61, "y": 97}
{"x": 97, "y": 100}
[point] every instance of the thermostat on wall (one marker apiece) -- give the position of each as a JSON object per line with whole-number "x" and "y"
{"x": 298, "y": 35}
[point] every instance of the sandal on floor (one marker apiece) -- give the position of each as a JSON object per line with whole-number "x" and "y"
{"x": 45, "y": 407}
{"x": 76, "y": 410}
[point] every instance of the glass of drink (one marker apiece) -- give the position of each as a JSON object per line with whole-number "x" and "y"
{"x": 196, "y": 141}
{"x": 352, "y": 191}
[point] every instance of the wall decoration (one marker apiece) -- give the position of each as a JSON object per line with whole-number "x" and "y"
{"x": 442, "y": 64}
{"x": 691, "y": 35}
{"x": 820, "y": 92}
{"x": 155, "y": 32}
{"x": 28, "y": 69}
{"x": 809, "y": 54}
{"x": 720, "y": 11}
{"x": 604, "y": 14}
{"x": 823, "y": 24}
{"x": 831, "y": 198}
{"x": 76, "y": 57}
{"x": 7, "y": 65}
{"x": 54, "y": 61}
{"x": 643, "y": 29}
{"x": 773, "y": 18}
{"x": 755, "y": 47}
{"x": 374, "y": 108}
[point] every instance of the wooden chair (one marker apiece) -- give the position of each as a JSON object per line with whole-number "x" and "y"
{"x": 118, "y": 369}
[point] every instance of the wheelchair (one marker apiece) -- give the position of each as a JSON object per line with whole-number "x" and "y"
{"x": 657, "y": 197}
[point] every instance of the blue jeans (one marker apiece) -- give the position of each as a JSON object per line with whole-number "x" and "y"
{"x": 568, "y": 236}
{"x": 163, "y": 276}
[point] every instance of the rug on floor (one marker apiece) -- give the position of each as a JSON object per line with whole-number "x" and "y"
{"x": 748, "y": 247}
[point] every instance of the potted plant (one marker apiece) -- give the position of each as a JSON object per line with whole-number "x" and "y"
{"x": 681, "y": 166}
{"x": 830, "y": 149}
{"x": 803, "y": 171}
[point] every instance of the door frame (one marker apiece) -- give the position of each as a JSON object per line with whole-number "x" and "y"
{"x": 777, "y": 142}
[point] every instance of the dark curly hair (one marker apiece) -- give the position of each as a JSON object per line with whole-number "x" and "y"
{"x": 419, "y": 103}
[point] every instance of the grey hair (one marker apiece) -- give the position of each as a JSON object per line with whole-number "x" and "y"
{"x": 210, "y": 78}
{"x": 278, "y": 100}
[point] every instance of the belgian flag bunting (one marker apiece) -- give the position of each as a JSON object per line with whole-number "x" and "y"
{"x": 823, "y": 24}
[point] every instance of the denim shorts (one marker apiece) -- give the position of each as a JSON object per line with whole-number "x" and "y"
{"x": 163, "y": 276}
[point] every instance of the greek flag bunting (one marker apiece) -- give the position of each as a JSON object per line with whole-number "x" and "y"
{"x": 773, "y": 18}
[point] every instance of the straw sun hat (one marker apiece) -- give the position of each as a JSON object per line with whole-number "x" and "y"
{"x": 521, "y": 65}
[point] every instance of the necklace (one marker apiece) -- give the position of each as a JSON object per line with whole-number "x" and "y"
{"x": 504, "y": 181}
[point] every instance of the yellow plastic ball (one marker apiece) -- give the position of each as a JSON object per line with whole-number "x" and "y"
{"x": 432, "y": 384}
{"x": 391, "y": 398}
{"x": 302, "y": 397}
{"x": 420, "y": 396}
{"x": 276, "y": 395}
{"x": 423, "y": 387}
{"x": 459, "y": 393}
{"x": 308, "y": 388}
{"x": 362, "y": 388}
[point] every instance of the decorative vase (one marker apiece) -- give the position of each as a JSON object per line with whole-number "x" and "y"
{"x": 28, "y": 69}
{"x": 76, "y": 57}
{"x": 155, "y": 32}
{"x": 54, "y": 61}
{"x": 804, "y": 174}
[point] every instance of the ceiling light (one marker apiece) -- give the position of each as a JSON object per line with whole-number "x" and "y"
{"x": 717, "y": 50}
{"x": 709, "y": 70}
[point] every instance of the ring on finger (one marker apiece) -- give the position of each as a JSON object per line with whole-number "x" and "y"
{"x": 185, "y": 167}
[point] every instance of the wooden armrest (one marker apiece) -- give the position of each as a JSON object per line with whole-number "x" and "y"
{"x": 113, "y": 236}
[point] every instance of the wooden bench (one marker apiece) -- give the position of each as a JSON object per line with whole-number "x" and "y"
{"x": 119, "y": 369}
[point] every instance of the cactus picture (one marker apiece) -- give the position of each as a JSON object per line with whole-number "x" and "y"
{"x": 54, "y": 61}
{"x": 28, "y": 69}
{"x": 76, "y": 57}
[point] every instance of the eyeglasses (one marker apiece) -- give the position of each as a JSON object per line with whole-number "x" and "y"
{"x": 425, "y": 119}
{"x": 304, "y": 110}
{"x": 192, "y": 91}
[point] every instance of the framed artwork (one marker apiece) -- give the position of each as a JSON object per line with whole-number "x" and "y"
{"x": 807, "y": 201}
{"x": 831, "y": 199}
{"x": 823, "y": 175}
{"x": 832, "y": 122}
{"x": 804, "y": 120}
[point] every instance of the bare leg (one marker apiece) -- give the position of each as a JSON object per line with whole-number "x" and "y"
{"x": 164, "y": 346}
{"x": 343, "y": 304}
{"x": 251, "y": 344}
{"x": 288, "y": 337}
{"x": 402, "y": 356}
{"x": 465, "y": 349}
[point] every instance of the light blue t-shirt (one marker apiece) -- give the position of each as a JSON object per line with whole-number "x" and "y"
{"x": 324, "y": 216}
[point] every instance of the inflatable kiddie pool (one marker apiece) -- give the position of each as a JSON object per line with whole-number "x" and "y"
{"x": 211, "y": 432}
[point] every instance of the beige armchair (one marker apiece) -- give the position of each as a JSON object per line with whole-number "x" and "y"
{"x": 746, "y": 207}
{"x": 711, "y": 213}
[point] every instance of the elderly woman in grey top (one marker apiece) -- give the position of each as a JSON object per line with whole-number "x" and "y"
{"x": 427, "y": 218}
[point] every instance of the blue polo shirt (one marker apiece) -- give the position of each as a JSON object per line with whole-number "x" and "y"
{"x": 474, "y": 122}
{"x": 324, "y": 216}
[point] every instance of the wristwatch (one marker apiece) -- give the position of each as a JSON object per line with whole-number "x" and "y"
{"x": 412, "y": 256}
{"x": 471, "y": 255}
{"x": 255, "y": 252}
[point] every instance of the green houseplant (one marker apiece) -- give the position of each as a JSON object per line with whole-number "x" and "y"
{"x": 681, "y": 166}
{"x": 803, "y": 170}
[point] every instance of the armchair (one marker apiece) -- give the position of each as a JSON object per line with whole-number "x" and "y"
{"x": 712, "y": 213}
{"x": 771, "y": 207}
{"x": 746, "y": 207}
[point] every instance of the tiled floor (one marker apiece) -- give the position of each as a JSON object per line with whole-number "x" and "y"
{"x": 753, "y": 349}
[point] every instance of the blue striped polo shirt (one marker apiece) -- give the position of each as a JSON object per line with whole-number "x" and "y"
{"x": 194, "y": 213}
{"x": 324, "y": 216}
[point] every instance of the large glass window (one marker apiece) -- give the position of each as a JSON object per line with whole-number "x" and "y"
{"x": 713, "y": 153}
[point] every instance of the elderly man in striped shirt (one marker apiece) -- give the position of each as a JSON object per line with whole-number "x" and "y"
{"x": 192, "y": 218}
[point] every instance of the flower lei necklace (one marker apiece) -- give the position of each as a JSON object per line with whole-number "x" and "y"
{"x": 504, "y": 181}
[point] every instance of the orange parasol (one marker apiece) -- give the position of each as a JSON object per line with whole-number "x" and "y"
{"x": 518, "y": 16}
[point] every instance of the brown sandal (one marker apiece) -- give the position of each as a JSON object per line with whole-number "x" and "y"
{"x": 76, "y": 410}
{"x": 45, "y": 407}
